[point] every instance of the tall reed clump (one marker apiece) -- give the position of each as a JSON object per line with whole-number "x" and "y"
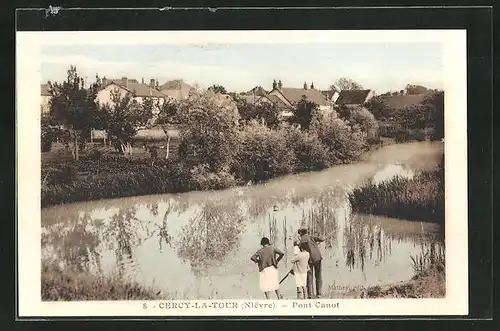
{"x": 59, "y": 285}
{"x": 419, "y": 198}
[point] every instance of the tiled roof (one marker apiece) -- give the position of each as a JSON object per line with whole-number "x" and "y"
{"x": 402, "y": 101}
{"x": 141, "y": 90}
{"x": 249, "y": 98}
{"x": 176, "y": 88}
{"x": 295, "y": 95}
{"x": 277, "y": 101}
{"x": 352, "y": 97}
{"x": 119, "y": 81}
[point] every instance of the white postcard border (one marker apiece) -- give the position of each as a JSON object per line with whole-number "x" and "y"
{"x": 28, "y": 177}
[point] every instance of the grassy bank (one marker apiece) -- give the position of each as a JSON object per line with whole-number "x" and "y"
{"x": 429, "y": 281}
{"x": 420, "y": 198}
{"x": 80, "y": 286}
{"x": 261, "y": 154}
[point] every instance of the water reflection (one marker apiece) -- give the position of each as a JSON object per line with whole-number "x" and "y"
{"x": 210, "y": 234}
{"x": 198, "y": 244}
{"x": 74, "y": 247}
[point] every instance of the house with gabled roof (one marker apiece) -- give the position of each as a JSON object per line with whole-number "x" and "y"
{"x": 354, "y": 97}
{"x": 286, "y": 97}
{"x": 139, "y": 91}
{"x": 402, "y": 101}
{"x": 176, "y": 89}
{"x": 331, "y": 95}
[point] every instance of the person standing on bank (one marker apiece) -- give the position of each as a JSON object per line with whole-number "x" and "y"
{"x": 314, "y": 261}
{"x": 300, "y": 262}
{"x": 267, "y": 258}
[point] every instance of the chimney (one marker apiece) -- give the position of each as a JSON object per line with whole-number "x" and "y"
{"x": 143, "y": 81}
{"x": 152, "y": 82}
{"x": 280, "y": 85}
{"x": 305, "y": 86}
{"x": 157, "y": 85}
{"x": 274, "y": 84}
{"x": 312, "y": 86}
{"x": 104, "y": 81}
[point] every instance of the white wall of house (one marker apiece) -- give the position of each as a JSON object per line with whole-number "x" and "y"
{"x": 104, "y": 96}
{"x": 334, "y": 97}
{"x": 45, "y": 103}
{"x": 370, "y": 95}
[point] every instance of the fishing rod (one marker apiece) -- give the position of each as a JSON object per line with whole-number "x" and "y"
{"x": 322, "y": 240}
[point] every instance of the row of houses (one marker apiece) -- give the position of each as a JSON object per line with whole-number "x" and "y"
{"x": 284, "y": 98}
{"x": 280, "y": 96}
{"x": 175, "y": 89}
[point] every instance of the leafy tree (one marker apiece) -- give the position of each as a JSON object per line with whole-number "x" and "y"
{"x": 264, "y": 153}
{"x": 218, "y": 89}
{"x": 380, "y": 109}
{"x": 416, "y": 89}
{"x": 435, "y": 102}
{"x": 344, "y": 83}
{"x": 74, "y": 106}
{"x": 208, "y": 131}
{"x": 122, "y": 117}
{"x": 49, "y": 132}
{"x": 269, "y": 113}
{"x": 345, "y": 143}
{"x": 168, "y": 112}
{"x": 414, "y": 116}
{"x": 304, "y": 112}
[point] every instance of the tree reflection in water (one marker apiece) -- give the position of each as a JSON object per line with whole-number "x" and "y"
{"x": 123, "y": 233}
{"x": 163, "y": 234}
{"x": 211, "y": 234}
{"x": 74, "y": 247}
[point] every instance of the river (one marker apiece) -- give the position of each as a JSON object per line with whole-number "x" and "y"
{"x": 197, "y": 245}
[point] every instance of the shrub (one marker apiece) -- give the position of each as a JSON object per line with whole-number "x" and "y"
{"x": 204, "y": 179}
{"x": 208, "y": 130}
{"x": 63, "y": 174}
{"x": 264, "y": 153}
{"x": 167, "y": 178}
{"x": 344, "y": 142}
{"x": 309, "y": 151}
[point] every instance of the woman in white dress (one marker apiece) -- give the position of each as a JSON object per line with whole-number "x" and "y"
{"x": 267, "y": 259}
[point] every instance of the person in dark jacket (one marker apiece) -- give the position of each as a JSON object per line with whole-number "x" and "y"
{"x": 314, "y": 261}
{"x": 267, "y": 258}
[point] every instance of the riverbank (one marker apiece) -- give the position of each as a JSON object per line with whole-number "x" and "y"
{"x": 418, "y": 198}
{"x": 82, "y": 286}
{"x": 430, "y": 283}
{"x": 115, "y": 176}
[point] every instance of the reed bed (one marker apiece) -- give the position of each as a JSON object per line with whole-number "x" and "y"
{"x": 420, "y": 198}
{"x": 320, "y": 220}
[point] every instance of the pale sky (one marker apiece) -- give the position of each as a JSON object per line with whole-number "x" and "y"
{"x": 240, "y": 67}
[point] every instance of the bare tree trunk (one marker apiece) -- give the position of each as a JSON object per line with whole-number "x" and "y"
{"x": 75, "y": 146}
{"x": 168, "y": 147}
{"x": 123, "y": 148}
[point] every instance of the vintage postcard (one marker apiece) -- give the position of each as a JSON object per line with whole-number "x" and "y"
{"x": 242, "y": 173}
